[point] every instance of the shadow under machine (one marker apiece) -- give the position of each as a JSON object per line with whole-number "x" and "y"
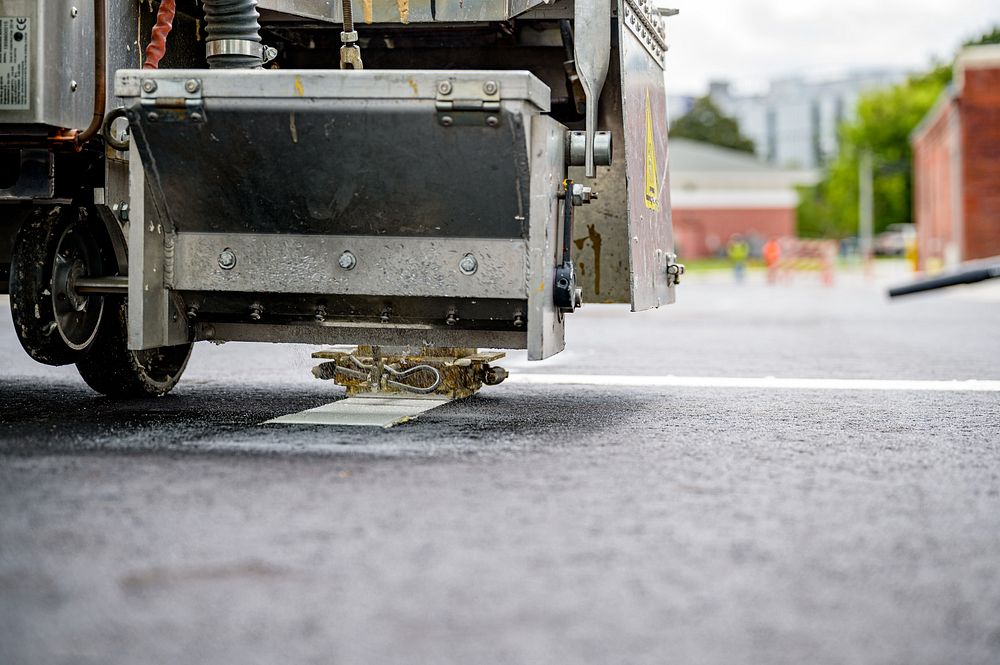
{"x": 421, "y": 178}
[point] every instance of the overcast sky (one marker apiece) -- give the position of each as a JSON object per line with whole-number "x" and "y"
{"x": 751, "y": 41}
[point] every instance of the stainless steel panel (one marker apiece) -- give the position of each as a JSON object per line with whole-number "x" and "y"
{"x": 314, "y": 84}
{"x": 402, "y": 11}
{"x": 413, "y": 337}
{"x": 61, "y": 37}
{"x": 282, "y": 263}
{"x": 155, "y": 316}
{"x": 546, "y": 324}
{"x": 644, "y": 107}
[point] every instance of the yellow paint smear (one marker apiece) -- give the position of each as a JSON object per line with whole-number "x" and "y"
{"x": 404, "y": 10}
{"x": 367, "y": 7}
{"x": 299, "y": 90}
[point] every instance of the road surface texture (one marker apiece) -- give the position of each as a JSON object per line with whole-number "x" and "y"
{"x": 533, "y": 523}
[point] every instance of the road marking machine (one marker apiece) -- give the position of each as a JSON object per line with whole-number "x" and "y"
{"x": 420, "y": 178}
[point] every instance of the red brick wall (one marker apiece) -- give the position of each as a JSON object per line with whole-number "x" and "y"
{"x": 698, "y": 232}
{"x": 980, "y": 110}
{"x": 933, "y": 207}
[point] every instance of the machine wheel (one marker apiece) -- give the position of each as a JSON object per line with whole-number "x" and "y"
{"x": 52, "y": 249}
{"x": 110, "y": 368}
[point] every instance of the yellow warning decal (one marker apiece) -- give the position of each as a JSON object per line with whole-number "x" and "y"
{"x": 652, "y": 182}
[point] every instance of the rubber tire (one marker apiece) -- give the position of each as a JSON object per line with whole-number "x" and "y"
{"x": 31, "y": 286}
{"x": 111, "y": 369}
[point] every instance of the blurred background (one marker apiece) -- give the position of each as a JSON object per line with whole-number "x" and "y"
{"x": 833, "y": 129}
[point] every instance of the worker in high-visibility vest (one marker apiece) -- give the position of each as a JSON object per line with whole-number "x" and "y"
{"x": 772, "y": 257}
{"x": 738, "y": 251}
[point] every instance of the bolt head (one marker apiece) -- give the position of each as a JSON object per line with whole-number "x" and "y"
{"x": 73, "y": 85}
{"x": 492, "y": 121}
{"x": 444, "y": 87}
{"x": 149, "y": 85}
{"x": 447, "y": 121}
{"x": 152, "y": 116}
{"x": 490, "y": 87}
{"x": 347, "y": 261}
{"x": 191, "y": 85}
{"x": 74, "y": 12}
{"x": 468, "y": 265}
{"x": 227, "y": 259}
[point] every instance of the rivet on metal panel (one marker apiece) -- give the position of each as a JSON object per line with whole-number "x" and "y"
{"x": 493, "y": 121}
{"x": 74, "y": 12}
{"x": 490, "y": 87}
{"x": 444, "y": 87}
{"x": 152, "y": 116}
{"x": 468, "y": 265}
{"x": 191, "y": 86}
{"x": 149, "y": 85}
{"x": 347, "y": 261}
{"x": 447, "y": 121}
{"x": 227, "y": 259}
{"x": 73, "y": 85}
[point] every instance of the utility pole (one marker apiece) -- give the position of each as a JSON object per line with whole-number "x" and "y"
{"x": 866, "y": 207}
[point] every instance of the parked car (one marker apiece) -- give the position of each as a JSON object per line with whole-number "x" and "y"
{"x": 894, "y": 240}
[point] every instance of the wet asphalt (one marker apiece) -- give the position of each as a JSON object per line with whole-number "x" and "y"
{"x": 530, "y": 524}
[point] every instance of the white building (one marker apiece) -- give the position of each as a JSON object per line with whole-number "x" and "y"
{"x": 795, "y": 124}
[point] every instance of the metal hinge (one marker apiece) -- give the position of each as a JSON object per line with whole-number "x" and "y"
{"x": 166, "y": 100}
{"x": 455, "y": 95}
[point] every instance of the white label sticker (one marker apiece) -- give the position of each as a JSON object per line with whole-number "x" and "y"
{"x": 15, "y": 75}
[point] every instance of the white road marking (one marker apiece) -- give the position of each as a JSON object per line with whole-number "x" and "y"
{"x": 763, "y": 383}
{"x": 364, "y": 412}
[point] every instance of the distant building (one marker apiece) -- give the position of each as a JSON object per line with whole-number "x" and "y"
{"x": 717, "y": 193}
{"x": 956, "y": 163}
{"x": 796, "y": 123}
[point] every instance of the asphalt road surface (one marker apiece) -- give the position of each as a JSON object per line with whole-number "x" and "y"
{"x": 533, "y": 523}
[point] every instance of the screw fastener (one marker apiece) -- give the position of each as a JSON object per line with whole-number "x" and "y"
{"x": 227, "y": 259}
{"x": 347, "y": 261}
{"x": 191, "y": 86}
{"x": 490, "y": 87}
{"x": 468, "y": 265}
{"x": 149, "y": 85}
{"x": 444, "y": 87}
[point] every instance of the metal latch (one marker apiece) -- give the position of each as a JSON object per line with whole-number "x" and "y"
{"x": 674, "y": 270}
{"x": 565, "y": 294}
{"x": 171, "y": 100}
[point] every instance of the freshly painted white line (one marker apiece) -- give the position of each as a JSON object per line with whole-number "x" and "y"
{"x": 763, "y": 383}
{"x": 363, "y": 412}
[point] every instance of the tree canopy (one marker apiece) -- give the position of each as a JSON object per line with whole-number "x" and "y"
{"x": 706, "y": 122}
{"x": 883, "y": 124}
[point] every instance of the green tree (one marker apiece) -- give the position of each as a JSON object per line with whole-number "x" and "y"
{"x": 883, "y": 124}
{"x": 706, "y": 122}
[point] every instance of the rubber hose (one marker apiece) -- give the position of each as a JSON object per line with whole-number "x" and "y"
{"x": 158, "y": 42}
{"x": 232, "y": 19}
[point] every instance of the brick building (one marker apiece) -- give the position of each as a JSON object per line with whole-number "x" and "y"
{"x": 717, "y": 193}
{"x": 956, "y": 164}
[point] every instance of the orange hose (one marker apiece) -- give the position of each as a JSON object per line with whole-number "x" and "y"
{"x": 158, "y": 42}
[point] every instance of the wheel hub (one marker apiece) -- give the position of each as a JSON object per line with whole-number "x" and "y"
{"x": 77, "y": 315}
